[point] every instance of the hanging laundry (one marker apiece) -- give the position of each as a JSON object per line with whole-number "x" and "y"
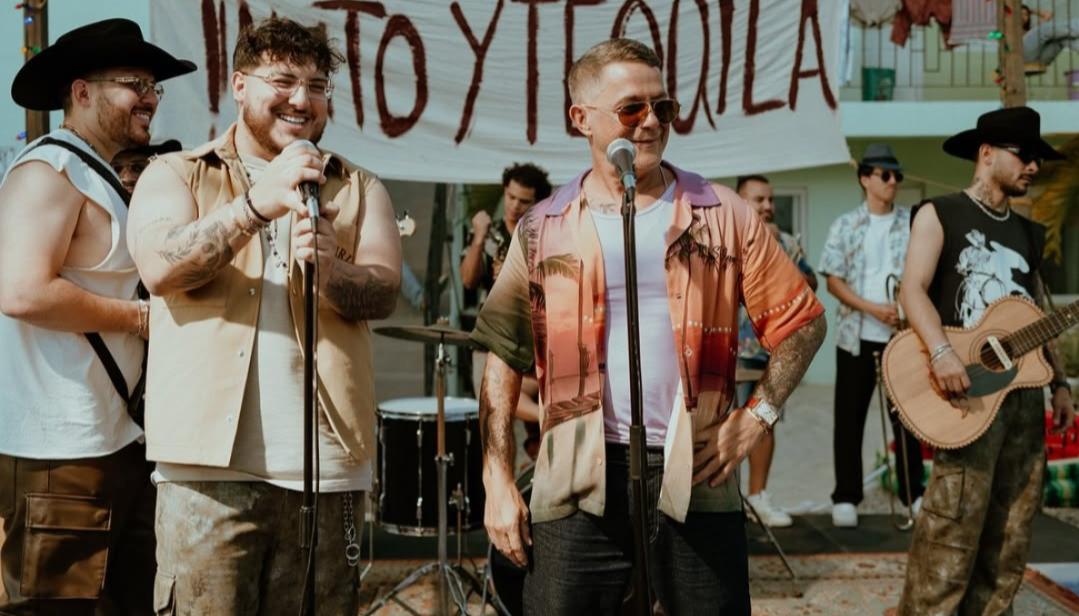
{"x": 873, "y": 13}
{"x": 972, "y": 20}
{"x": 918, "y": 13}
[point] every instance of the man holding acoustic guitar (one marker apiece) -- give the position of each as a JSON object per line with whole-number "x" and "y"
{"x": 973, "y": 255}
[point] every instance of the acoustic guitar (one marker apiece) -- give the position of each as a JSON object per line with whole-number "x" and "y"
{"x": 998, "y": 354}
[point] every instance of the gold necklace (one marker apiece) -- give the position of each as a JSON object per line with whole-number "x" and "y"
{"x": 71, "y": 128}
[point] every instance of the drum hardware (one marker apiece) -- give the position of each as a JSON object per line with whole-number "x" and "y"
{"x": 451, "y": 577}
{"x": 901, "y": 439}
{"x": 771, "y": 538}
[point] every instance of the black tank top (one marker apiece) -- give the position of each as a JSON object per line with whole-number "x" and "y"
{"x": 983, "y": 259}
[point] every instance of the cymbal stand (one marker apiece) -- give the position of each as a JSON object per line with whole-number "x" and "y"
{"x": 908, "y": 523}
{"x": 450, "y": 576}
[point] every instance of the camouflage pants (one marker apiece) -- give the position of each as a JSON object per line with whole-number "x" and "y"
{"x": 233, "y": 548}
{"x": 972, "y": 538}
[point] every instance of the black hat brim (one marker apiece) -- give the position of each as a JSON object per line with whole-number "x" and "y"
{"x": 965, "y": 145}
{"x": 41, "y": 83}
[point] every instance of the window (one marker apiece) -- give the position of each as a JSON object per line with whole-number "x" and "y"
{"x": 791, "y": 215}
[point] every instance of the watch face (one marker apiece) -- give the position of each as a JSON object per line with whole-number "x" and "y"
{"x": 766, "y": 412}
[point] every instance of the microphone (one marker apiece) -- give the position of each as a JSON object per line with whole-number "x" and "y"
{"x": 309, "y": 190}
{"x": 621, "y": 154}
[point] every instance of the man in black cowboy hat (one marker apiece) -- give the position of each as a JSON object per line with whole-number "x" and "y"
{"x": 971, "y": 541}
{"x": 75, "y": 494}
{"x": 130, "y": 163}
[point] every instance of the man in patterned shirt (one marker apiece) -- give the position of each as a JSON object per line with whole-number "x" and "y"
{"x": 864, "y": 251}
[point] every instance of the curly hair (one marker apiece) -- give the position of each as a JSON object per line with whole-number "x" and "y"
{"x": 529, "y": 176}
{"x": 282, "y": 39}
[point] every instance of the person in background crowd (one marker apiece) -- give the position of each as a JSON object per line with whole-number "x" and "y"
{"x": 864, "y": 251}
{"x": 523, "y": 185}
{"x": 752, "y": 358}
{"x": 130, "y": 163}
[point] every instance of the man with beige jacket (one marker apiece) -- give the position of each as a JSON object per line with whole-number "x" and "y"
{"x": 219, "y": 235}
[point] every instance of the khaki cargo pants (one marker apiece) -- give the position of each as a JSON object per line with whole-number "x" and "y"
{"x": 972, "y": 538}
{"x": 79, "y": 535}
{"x": 232, "y": 547}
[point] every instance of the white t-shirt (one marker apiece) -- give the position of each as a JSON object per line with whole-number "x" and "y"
{"x": 56, "y": 399}
{"x": 269, "y": 439}
{"x": 878, "y": 265}
{"x": 659, "y": 361}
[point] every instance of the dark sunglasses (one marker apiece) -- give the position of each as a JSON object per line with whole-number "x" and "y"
{"x": 631, "y": 115}
{"x": 886, "y": 175}
{"x": 1024, "y": 155}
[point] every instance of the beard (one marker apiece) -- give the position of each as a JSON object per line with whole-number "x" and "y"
{"x": 261, "y": 126}
{"x": 120, "y": 126}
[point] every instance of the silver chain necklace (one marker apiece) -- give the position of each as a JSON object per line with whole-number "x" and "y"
{"x": 988, "y": 211}
{"x": 269, "y": 232}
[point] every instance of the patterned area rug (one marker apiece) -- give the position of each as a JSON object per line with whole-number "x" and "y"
{"x": 831, "y": 585}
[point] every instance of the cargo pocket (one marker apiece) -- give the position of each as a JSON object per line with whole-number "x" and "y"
{"x": 164, "y": 594}
{"x": 945, "y": 494}
{"x": 66, "y": 547}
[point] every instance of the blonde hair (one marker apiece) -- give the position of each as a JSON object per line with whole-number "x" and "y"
{"x": 586, "y": 70}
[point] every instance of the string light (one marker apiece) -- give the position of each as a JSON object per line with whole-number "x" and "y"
{"x": 21, "y": 136}
{"x": 996, "y": 35}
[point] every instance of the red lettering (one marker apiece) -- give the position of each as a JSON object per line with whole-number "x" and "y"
{"x": 684, "y": 126}
{"x": 352, "y": 42}
{"x": 568, "y": 23}
{"x": 245, "y": 18}
{"x": 621, "y": 20}
{"x": 811, "y": 14}
{"x": 480, "y": 50}
{"x": 210, "y": 38}
{"x": 750, "y": 107}
{"x": 395, "y": 126}
{"x": 726, "y": 20}
{"x": 532, "y": 78}
{"x": 222, "y": 49}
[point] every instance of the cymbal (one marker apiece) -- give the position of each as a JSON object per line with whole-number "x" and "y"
{"x": 430, "y": 334}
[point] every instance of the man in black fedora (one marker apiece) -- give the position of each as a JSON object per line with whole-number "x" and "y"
{"x": 971, "y": 541}
{"x": 863, "y": 253}
{"x": 75, "y": 492}
{"x": 130, "y": 163}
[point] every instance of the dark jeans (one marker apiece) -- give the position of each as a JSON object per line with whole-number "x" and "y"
{"x": 79, "y": 535}
{"x": 583, "y": 564}
{"x": 856, "y": 378}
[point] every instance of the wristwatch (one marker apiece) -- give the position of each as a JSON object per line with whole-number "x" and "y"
{"x": 764, "y": 412}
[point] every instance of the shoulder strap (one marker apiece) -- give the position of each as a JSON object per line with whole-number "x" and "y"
{"x": 133, "y": 398}
{"x": 95, "y": 164}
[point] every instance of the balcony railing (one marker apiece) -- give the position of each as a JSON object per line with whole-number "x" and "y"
{"x": 927, "y": 70}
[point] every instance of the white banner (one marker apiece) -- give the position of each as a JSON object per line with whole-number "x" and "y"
{"x": 455, "y": 91}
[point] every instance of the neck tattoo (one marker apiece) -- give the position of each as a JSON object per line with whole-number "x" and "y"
{"x": 987, "y": 209}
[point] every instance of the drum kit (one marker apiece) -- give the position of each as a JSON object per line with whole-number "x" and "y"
{"x": 436, "y": 462}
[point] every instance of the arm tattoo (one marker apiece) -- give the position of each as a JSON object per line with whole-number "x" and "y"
{"x": 361, "y": 298}
{"x": 1041, "y": 298}
{"x": 199, "y": 249}
{"x": 498, "y": 398}
{"x": 790, "y": 360}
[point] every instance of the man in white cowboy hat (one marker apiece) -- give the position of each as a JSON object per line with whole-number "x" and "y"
{"x": 75, "y": 492}
{"x": 971, "y": 542}
{"x": 864, "y": 250}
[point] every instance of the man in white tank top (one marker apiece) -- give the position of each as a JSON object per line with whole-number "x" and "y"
{"x": 75, "y": 495}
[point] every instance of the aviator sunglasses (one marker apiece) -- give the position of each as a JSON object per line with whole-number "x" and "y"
{"x": 632, "y": 114}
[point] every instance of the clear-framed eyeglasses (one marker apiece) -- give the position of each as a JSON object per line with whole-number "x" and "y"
{"x": 138, "y": 84}
{"x": 319, "y": 88}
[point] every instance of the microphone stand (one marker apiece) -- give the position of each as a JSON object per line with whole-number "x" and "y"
{"x": 309, "y": 508}
{"x": 642, "y": 596}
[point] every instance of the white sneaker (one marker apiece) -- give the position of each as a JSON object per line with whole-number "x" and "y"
{"x": 917, "y": 506}
{"x": 769, "y": 515}
{"x": 844, "y": 515}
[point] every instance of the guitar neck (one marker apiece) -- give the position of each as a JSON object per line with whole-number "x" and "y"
{"x": 1043, "y": 330}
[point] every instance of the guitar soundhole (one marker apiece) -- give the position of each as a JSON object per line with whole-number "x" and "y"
{"x": 989, "y": 357}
